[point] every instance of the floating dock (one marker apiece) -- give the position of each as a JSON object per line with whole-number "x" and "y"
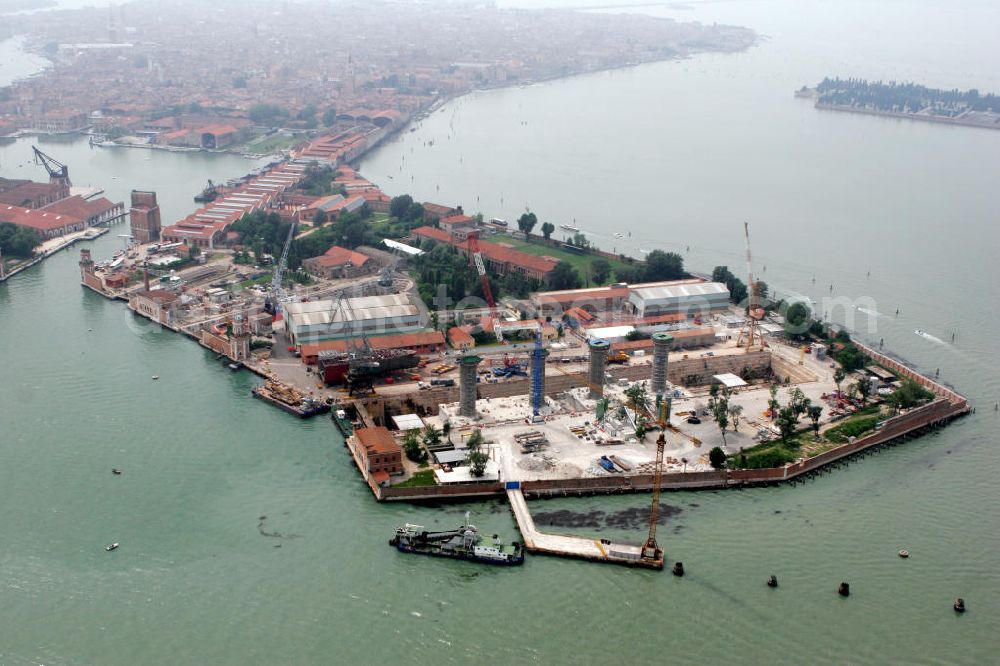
{"x": 595, "y": 550}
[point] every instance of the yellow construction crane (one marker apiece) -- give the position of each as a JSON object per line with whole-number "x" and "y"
{"x": 651, "y": 551}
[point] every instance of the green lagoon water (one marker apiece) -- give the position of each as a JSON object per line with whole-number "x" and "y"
{"x": 201, "y": 578}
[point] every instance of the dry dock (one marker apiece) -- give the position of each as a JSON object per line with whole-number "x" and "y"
{"x": 595, "y": 550}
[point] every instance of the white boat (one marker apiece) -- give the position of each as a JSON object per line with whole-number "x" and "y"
{"x": 569, "y": 227}
{"x": 918, "y": 332}
{"x": 111, "y": 547}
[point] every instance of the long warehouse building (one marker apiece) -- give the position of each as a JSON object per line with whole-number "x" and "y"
{"x": 693, "y": 300}
{"x": 316, "y": 321}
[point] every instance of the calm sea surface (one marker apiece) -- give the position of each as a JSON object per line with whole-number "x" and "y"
{"x": 247, "y": 536}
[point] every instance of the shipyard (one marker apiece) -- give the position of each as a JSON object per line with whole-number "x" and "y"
{"x": 683, "y": 382}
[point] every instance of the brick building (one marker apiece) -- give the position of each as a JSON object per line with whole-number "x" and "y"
{"x": 378, "y": 450}
{"x": 144, "y": 217}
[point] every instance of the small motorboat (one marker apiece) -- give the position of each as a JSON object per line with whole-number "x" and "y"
{"x": 919, "y": 331}
{"x": 155, "y": 377}
{"x": 116, "y": 471}
{"x": 111, "y": 547}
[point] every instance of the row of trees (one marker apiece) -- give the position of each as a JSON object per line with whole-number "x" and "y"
{"x": 18, "y": 241}
{"x": 903, "y": 97}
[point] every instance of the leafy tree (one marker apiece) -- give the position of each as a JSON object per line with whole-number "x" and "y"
{"x": 721, "y": 415}
{"x": 737, "y": 290}
{"x": 641, "y": 427}
{"x": 432, "y": 436}
{"x": 815, "y": 411}
{"x": 547, "y": 229}
{"x": 636, "y": 334}
{"x": 400, "y": 206}
{"x": 798, "y": 402}
{"x": 637, "y": 397}
{"x": 628, "y": 274}
{"x": 527, "y": 222}
{"x": 475, "y": 440}
{"x": 415, "y": 212}
{"x": 717, "y": 458}
{"x": 838, "y": 376}
{"x": 864, "y": 388}
{"x": 600, "y": 270}
{"x": 329, "y": 117}
{"x": 761, "y": 289}
{"x": 786, "y": 423}
{"x": 735, "y": 411}
{"x": 412, "y": 448}
{"x": 18, "y": 241}
{"x": 851, "y": 358}
{"x": 662, "y": 265}
{"x": 909, "y": 394}
{"x": 797, "y": 320}
{"x": 477, "y": 463}
{"x": 564, "y": 276}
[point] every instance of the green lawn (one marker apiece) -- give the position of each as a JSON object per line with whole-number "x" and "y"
{"x": 581, "y": 262}
{"x": 424, "y": 477}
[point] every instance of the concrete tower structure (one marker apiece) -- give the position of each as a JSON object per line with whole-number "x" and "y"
{"x": 598, "y": 366}
{"x": 145, "y": 217}
{"x": 662, "y": 342}
{"x": 467, "y": 369}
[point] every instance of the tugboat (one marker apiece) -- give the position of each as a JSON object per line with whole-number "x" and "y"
{"x": 465, "y": 543}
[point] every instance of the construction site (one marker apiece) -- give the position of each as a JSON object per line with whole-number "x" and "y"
{"x": 624, "y": 388}
{"x": 673, "y": 419}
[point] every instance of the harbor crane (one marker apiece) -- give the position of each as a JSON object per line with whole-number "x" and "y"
{"x": 475, "y": 256}
{"x": 277, "y": 291}
{"x": 58, "y": 172}
{"x": 751, "y": 338}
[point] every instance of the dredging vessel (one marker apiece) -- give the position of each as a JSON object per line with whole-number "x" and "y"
{"x": 464, "y": 543}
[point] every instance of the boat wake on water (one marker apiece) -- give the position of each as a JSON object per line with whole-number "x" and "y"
{"x": 869, "y": 312}
{"x": 928, "y": 336}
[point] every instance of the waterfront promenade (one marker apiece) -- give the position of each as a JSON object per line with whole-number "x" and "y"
{"x": 53, "y": 245}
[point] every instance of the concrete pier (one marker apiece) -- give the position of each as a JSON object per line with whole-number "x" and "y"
{"x": 582, "y": 548}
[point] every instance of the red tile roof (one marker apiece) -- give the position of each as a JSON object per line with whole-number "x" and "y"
{"x": 377, "y": 440}
{"x": 36, "y": 219}
{"x": 459, "y": 336}
{"x": 339, "y": 256}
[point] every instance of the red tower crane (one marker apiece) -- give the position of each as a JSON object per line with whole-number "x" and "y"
{"x": 475, "y": 256}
